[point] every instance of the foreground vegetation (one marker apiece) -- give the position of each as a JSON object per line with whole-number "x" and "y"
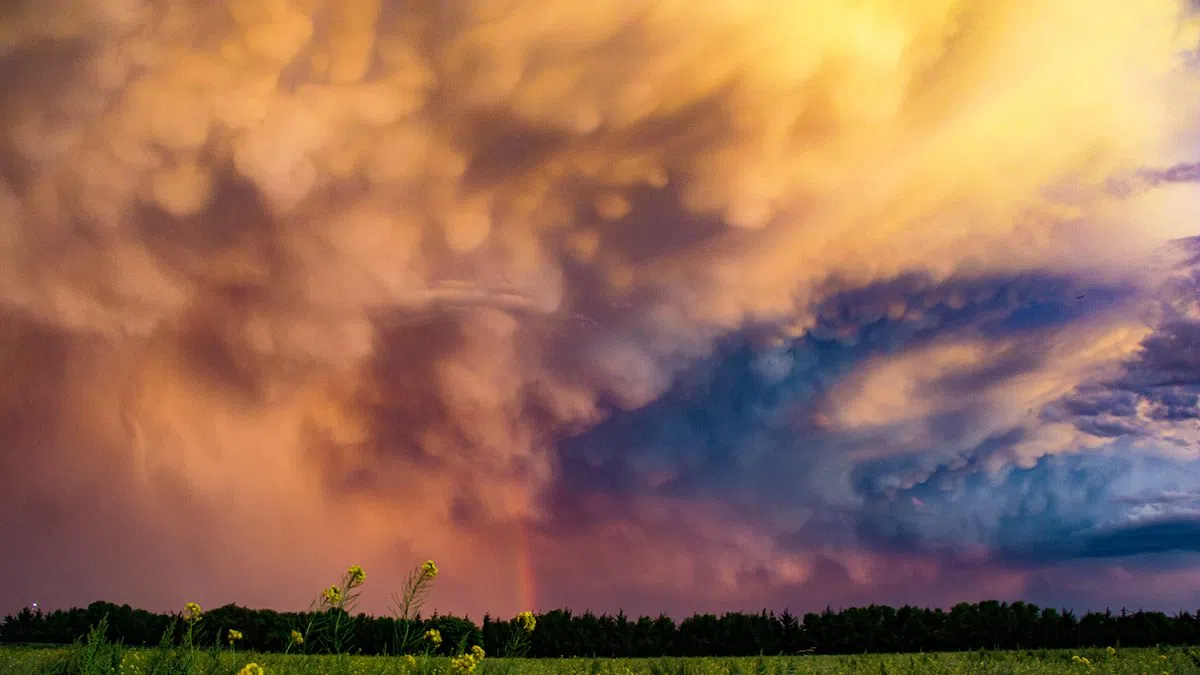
{"x": 331, "y": 638}
{"x": 1175, "y": 661}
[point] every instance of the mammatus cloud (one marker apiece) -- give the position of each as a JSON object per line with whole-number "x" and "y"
{"x": 290, "y": 284}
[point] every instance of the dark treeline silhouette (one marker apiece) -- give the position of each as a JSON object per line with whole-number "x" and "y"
{"x": 874, "y": 629}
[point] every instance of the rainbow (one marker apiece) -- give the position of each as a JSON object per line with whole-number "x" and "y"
{"x": 526, "y": 583}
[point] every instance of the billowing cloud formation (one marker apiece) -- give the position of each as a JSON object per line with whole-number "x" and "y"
{"x": 292, "y": 284}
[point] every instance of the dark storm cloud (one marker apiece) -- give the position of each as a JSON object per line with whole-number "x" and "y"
{"x": 742, "y": 434}
{"x": 745, "y": 414}
{"x": 1158, "y": 537}
{"x": 1107, "y": 504}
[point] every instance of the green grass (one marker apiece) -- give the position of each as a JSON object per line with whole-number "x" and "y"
{"x": 1176, "y": 661}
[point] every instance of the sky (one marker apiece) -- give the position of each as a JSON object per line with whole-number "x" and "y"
{"x": 641, "y": 305}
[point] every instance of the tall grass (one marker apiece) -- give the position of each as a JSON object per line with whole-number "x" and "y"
{"x": 330, "y": 628}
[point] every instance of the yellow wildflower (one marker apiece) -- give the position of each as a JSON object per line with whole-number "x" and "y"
{"x": 1111, "y": 651}
{"x": 1162, "y": 657}
{"x": 356, "y": 576}
{"x": 462, "y": 664}
{"x": 251, "y": 669}
{"x": 297, "y": 638}
{"x": 434, "y": 636}
{"x": 527, "y": 621}
{"x": 410, "y": 661}
{"x": 429, "y": 569}
{"x": 192, "y": 612}
{"x": 234, "y": 635}
{"x": 333, "y": 595}
{"x": 477, "y": 652}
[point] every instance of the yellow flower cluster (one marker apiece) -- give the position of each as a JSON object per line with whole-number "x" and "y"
{"x": 527, "y": 620}
{"x": 1082, "y": 660}
{"x": 410, "y": 661}
{"x": 434, "y": 635}
{"x": 234, "y": 635}
{"x": 192, "y": 612}
{"x": 333, "y": 595}
{"x": 466, "y": 663}
{"x": 355, "y": 576}
{"x": 251, "y": 669}
{"x": 297, "y": 638}
{"x": 429, "y": 569}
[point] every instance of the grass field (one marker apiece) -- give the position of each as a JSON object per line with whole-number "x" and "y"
{"x": 31, "y": 661}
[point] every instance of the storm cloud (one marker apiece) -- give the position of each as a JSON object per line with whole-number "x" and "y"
{"x": 295, "y": 284}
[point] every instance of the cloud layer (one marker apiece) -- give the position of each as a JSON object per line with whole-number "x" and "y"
{"x": 734, "y": 289}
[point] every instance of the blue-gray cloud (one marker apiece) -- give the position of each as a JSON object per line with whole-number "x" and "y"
{"x": 752, "y": 403}
{"x": 1160, "y": 387}
{"x": 1107, "y": 503}
{"x": 741, "y": 429}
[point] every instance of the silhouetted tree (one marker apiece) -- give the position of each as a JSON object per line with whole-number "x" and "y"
{"x": 876, "y": 628}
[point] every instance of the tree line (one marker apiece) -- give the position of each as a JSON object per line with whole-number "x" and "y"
{"x": 559, "y": 633}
